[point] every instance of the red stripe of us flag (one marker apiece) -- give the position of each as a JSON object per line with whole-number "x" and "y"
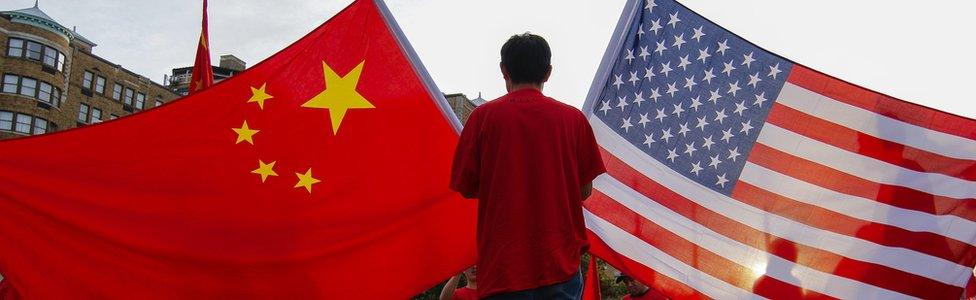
{"x": 735, "y": 173}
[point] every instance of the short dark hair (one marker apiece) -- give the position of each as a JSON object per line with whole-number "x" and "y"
{"x": 527, "y": 58}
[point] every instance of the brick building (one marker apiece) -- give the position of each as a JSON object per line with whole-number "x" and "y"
{"x": 229, "y": 66}
{"x": 52, "y": 81}
{"x": 462, "y": 105}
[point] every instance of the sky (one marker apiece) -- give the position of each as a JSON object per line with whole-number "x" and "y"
{"x": 906, "y": 49}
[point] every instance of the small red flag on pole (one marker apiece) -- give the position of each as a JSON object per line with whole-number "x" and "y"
{"x": 591, "y": 287}
{"x": 202, "y": 76}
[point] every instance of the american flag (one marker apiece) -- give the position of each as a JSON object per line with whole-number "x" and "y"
{"x": 736, "y": 173}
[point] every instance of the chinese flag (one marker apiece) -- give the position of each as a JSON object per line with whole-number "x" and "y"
{"x": 202, "y": 76}
{"x": 321, "y": 172}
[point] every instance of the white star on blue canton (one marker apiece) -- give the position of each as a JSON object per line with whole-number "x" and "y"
{"x": 617, "y": 81}
{"x": 740, "y": 108}
{"x": 734, "y": 153}
{"x": 696, "y": 167}
{"x": 626, "y": 126}
{"x": 644, "y": 120}
{"x": 698, "y": 34}
{"x": 721, "y": 180}
{"x": 695, "y": 103}
{"x": 703, "y": 54}
{"x": 666, "y": 135}
{"x": 720, "y": 116}
{"x": 655, "y": 26}
{"x": 690, "y": 149}
{"x": 648, "y": 139}
{"x": 709, "y": 75}
{"x": 702, "y": 123}
{"x": 727, "y": 135}
{"x": 734, "y": 87}
{"x": 684, "y": 63}
{"x": 666, "y": 68}
{"x": 660, "y": 48}
{"x": 773, "y": 70}
{"x": 690, "y": 82}
{"x": 649, "y": 73}
{"x": 754, "y": 80}
{"x": 723, "y": 46}
{"x": 655, "y": 93}
{"x": 715, "y": 162}
{"x": 707, "y": 143}
{"x": 672, "y": 88}
{"x": 746, "y": 126}
{"x": 714, "y": 96}
{"x": 679, "y": 40}
{"x": 678, "y": 110}
{"x": 644, "y": 54}
{"x": 622, "y": 103}
{"x": 672, "y": 154}
{"x": 630, "y": 56}
{"x": 639, "y": 98}
{"x": 728, "y": 69}
{"x": 605, "y": 107}
{"x": 684, "y": 129}
{"x": 674, "y": 20}
{"x": 747, "y": 60}
{"x": 760, "y": 99}
{"x": 660, "y": 115}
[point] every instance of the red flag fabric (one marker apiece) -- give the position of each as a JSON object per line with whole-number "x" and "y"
{"x": 591, "y": 287}
{"x": 319, "y": 173}
{"x": 202, "y": 76}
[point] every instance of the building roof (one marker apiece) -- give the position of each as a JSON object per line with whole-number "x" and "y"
{"x": 478, "y": 101}
{"x": 37, "y": 17}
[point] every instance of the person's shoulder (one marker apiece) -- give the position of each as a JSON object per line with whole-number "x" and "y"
{"x": 566, "y": 109}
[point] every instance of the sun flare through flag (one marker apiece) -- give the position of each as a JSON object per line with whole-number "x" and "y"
{"x": 736, "y": 173}
{"x": 251, "y": 189}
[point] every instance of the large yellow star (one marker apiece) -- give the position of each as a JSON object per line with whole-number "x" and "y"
{"x": 306, "y": 180}
{"x": 259, "y": 95}
{"x": 265, "y": 170}
{"x": 245, "y": 133}
{"x": 339, "y": 95}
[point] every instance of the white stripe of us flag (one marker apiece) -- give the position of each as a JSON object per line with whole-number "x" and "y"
{"x": 735, "y": 173}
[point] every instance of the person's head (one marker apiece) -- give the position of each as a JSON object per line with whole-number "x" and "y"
{"x": 471, "y": 274}
{"x": 634, "y": 288}
{"x": 526, "y": 61}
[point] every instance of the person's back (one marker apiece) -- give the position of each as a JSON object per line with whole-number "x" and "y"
{"x": 529, "y": 160}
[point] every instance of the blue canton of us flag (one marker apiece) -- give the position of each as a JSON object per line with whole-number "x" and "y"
{"x": 690, "y": 94}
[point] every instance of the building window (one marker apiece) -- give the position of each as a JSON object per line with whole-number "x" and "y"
{"x": 15, "y": 47}
{"x": 23, "y": 124}
{"x": 96, "y": 115}
{"x": 34, "y": 50}
{"x": 83, "y": 113}
{"x": 128, "y": 96}
{"x": 44, "y": 93}
{"x": 100, "y": 85}
{"x": 47, "y": 55}
{"x": 50, "y": 56}
{"x": 6, "y": 120}
{"x": 40, "y": 126}
{"x": 61, "y": 61}
{"x": 140, "y": 100}
{"x": 28, "y": 87}
{"x": 86, "y": 82}
{"x": 56, "y": 97}
{"x": 10, "y": 83}
{"x": 117, "y": 92}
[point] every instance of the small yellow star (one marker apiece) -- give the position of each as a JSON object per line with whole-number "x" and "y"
{"x": 259, "y": 95}
{"x": 265, "y": 170}
{"x": 306, "y": 180}
{"x": 340, "y": 94}
{"x": 245, "y": 133}
{"x": 203, "y": 41}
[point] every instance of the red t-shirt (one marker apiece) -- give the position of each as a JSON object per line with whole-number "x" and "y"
{"x": 526, "y": 157}
{"x": 465, "y": 293}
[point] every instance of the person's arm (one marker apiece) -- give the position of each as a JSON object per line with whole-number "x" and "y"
{"x": 587, "y": 190}
{"x": 467, "y": 160}
{"x": 448, "y": 292}
{"x": 590, "y": 160}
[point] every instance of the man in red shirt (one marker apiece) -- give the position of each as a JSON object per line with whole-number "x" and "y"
{"x": 530, "y": 161}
